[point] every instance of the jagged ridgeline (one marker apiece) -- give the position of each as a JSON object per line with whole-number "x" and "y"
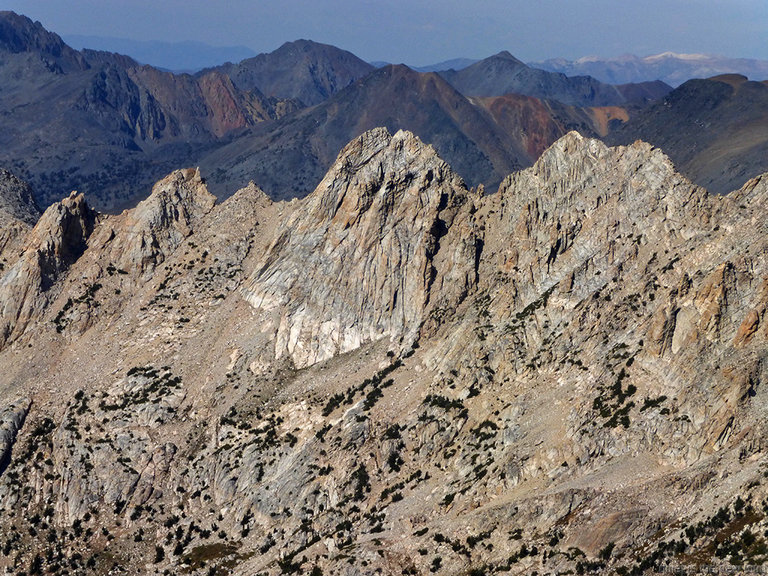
{"x": 394, "y": 375}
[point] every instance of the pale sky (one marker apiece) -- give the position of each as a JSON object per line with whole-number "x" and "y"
{"x": 427, "y": 31}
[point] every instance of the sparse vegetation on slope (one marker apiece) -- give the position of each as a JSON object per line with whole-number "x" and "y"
{"x": 393, "y": 376}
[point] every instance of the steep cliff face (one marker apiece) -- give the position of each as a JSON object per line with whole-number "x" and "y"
{"x": 362, "y": 258}
{"x": 393, "y": 375}
{"x": 18, "y": 213}
{"x": 16, "y": 200}
{"x": 153, "y": 107}
{"x": 58, "y": 239}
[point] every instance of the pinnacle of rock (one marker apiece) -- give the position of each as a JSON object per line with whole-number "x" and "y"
{"x": 159, "y": 224}
{"x": 58, "y": 239}
{"x": 361, "y": 258}
{"x": 16, "y": 199}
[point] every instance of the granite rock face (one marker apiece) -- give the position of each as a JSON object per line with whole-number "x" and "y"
{"x": 385, "y": 238}
{"x": 58, "y": 239}
{"x": 18, "y": 213}
{"x": 393, "y": 375}
{"x": 145, "y": 236}
{"x": 16, "y": 199}
{"x": 11, "y": 420}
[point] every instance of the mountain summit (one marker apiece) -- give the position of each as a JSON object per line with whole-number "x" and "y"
{"x": 379, "y": 217}
{"x": 18, "y": 35}
{"x": 302, "y": 70}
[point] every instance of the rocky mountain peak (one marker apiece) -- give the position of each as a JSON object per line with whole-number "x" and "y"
{"x": 506, "y": 55}
{"x": 573, "y": 211}
{"x": 61, "y": 235}
{"x": 361, "y": 258}
{"x": 303, "y": 70}
{"x": 20, "y": 34}
{"x": 58, "y": 239}
{"x": 16, "y": 198}
{"x": 367, "y": 172}
{"x": 179, "y": 197}
{"x": 574, "y": 165}
{"x": 142, "y": 238}
{"x": 136, "y": 241}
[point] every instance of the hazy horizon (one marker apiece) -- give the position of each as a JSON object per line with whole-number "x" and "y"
{"x": 427, "y": 32}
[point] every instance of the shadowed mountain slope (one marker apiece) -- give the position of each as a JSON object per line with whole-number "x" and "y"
{"x": 101, "y": 123}
{"x": 19, "y": 35}
{"x": 16, "y": 198}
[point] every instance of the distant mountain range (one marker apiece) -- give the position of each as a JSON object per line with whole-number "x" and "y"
{"x": 289, "y": 156}
{"x": 105, "y": 125}
{"x": 173, "y": 56}
{"x": 669, "y": 67}
{"x": 394, "y": 97}
{"x": 454, "y": 64}
{"x": 114, "y": 126}
{"x": 504, "y": 74}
